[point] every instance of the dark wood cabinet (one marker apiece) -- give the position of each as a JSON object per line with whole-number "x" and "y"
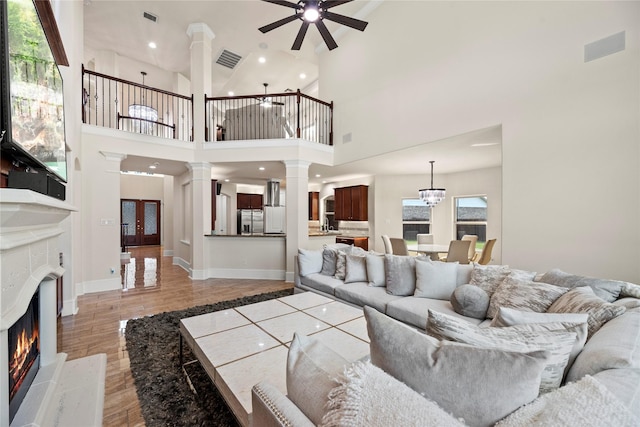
{"x": 361, "y": 242}
{"x": 249, "y": 201}
{"x": 351, "y": 203}
{"x": 314, "y": 206}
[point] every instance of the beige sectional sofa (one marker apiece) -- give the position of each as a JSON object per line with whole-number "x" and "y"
{"x": 446, "y": 305}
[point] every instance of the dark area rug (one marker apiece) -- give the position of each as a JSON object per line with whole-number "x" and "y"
{"x": 163, "y": 390}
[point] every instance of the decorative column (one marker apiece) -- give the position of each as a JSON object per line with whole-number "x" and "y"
{"x": 200, "y": 217}
{"x": 297, "y": 207}
{"x": 201, "y": 36}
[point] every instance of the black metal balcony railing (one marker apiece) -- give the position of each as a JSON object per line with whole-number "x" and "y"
{"x": 269, "y": 116}
{"x": 133, "y": 107}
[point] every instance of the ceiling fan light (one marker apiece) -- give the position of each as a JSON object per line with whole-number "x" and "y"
{"x": 311, "y": 14}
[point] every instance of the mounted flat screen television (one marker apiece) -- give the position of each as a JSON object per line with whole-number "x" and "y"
{"x": 32, "y": 107}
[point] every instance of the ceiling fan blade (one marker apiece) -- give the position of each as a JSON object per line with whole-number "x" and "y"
{"x": 284, "y": 3}
{"x": 326, "y": 36}
{"x": 333, "y": 3}
{"x": 300, "y": 37}
{"x": 345, "y": 20}
{"x": 278, "y": 23}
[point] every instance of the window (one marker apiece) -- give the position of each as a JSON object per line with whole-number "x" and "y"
{"x": 416, "y": 218}
{"x": 470, "y": 217}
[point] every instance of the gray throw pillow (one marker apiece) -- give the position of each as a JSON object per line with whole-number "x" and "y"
{"x": 435, "y": 279}
{"x": 341, "y": 265}
{"x": 311, "y": 362}
{"x": 356, "y": 269}
{"x": 375, "y": 270}
{"x": 522, "y": 338}
{"x": 584, "y": 300}
{"x": 400, "y": 273}
{"x": 470, "y": 301}
{"x": 329, "y": 257}
{"x": 489, "y": 277}
{"x": 524, "y": 295}
{"x": 309, "y": 261}
{"x": 608, "y": 290}
{"x": 480, "y": 385}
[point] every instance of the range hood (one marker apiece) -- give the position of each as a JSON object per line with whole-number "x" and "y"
{"x": 272, "y": 193}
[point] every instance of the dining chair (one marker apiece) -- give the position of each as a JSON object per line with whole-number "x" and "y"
{"x": 398, "y": 246}
{"x": 388, "y": 249}
{"x": 485, "y": 256}
{"x": 425, "y": 239}
{"x": 472, "y": 246}
{"x": 458, "y": 251}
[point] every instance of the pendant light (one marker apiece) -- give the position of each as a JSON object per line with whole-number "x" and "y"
{"x": 432, "y": 196}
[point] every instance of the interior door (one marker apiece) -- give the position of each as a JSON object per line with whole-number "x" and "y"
{"x": 140, "y": 221}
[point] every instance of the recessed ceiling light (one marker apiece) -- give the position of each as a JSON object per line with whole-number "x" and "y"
{"x": 152, "y": 45}
{"x": 303, "y": 76}
{"x": 262, "y": 60}
{"x": 261, "y": 168}
{"x": 226, "y": 180}
{"x": 318, "y": 175}
{"x": 153, "y": 166}
{"x": 230, "y": 93}
{"x": 324, "y": 182}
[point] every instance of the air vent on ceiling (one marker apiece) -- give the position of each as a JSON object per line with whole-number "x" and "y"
{"x": 150, "y": 17}
{"x": 228, "y": 59}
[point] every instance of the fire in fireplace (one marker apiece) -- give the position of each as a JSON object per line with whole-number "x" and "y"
{"x": 24, "y": 354}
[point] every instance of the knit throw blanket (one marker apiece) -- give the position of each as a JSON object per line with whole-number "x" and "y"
{"x": 584, "y": 403}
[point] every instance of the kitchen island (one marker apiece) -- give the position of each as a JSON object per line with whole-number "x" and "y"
{"x": 258, "y": 256}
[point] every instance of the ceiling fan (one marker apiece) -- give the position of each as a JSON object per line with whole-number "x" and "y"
{"x": 314, "y": 12}
{"x": 266, "y": 101}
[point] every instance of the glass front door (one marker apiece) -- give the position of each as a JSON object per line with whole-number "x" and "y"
{"x": 140, "y": 221}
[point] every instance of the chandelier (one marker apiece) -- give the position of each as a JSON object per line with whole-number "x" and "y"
{"x": 432, "y": 196}
{"x": 146, "y": 114}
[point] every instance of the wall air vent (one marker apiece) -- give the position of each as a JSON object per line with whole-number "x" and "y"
{"x": 150, "y": 17}
{"x": 228, "y": 59}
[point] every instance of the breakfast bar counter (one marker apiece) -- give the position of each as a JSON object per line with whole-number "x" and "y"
{"x": 246, "y": 256}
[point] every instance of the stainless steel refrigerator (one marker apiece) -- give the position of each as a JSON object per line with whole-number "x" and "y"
{"x": 250, "y": 221}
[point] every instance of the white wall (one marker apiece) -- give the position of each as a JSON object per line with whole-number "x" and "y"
{"x": 571, "y": 155}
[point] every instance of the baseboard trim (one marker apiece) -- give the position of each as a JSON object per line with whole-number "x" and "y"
{"x": 243, "y": 273}
{"x": 102, "y": 285}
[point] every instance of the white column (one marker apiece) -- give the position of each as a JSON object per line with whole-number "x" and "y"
{"x": 201, "y": 36}
{"x": 200, "y": 217}
{"x": 297, "y": 207}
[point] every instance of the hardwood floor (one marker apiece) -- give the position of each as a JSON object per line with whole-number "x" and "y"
{"x": 151, "y": 284}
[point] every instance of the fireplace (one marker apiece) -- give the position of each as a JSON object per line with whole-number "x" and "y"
{"x": 24, "y": 354}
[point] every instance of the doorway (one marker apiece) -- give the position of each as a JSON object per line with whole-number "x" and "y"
{"x": 140, "y": 221}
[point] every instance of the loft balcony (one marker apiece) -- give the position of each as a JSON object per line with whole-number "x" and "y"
{"x": 137, "y": 108}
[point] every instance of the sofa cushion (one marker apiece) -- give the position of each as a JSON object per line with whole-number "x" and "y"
{"x": 608, "y": 290}
{"x": 584, "y": 403}
{"x": 356, "y": 269}
{"x": 559, "y": 342}
{"x": 470, "y": 301}
{"x": 489, "y": 277}
{"x": 362, "y": 294}
{"x": 525, "y": 295}
{"x": 367, "y": 396}
{"x": 375, "y": 269}
{"x": 477, "y": 384}
{"x": 630, "y": 290}
{"x": 400, "y": 272}
{"x": 584, "y": 300}
{"x": 623, "y": 383}
{"x": 463, "y": 276}
{"x": 309, "y": 262}
{"x": 615, "y": 345}
{"x": 628, "y": 302}
{"x": 311, "y": 362}
{"x": 322, "y": 283}
{"x": 435, "y": 279}
{"x": 414, "y": 311}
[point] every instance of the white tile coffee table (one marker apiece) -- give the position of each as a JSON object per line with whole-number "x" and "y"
{"x": 244, "y": 345}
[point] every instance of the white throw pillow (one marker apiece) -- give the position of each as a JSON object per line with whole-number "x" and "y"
{"x": 356, "y": 269}
{"x": 435, "y": 279}
{"x": 309, "y": 262}
{"x": 375, "y": 270}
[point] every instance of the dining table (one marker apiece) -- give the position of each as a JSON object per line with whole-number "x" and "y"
{"x": 428, "y": 248}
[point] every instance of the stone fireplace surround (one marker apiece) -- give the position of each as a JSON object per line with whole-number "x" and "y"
{"x": 29, "y": 262}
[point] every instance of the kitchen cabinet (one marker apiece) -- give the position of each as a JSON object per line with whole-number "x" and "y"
{"x": 249, "y": 201}
{"x": 351, "y": 203}
{"x": 361, "y": 241}
{"x": 314, "y": 206}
